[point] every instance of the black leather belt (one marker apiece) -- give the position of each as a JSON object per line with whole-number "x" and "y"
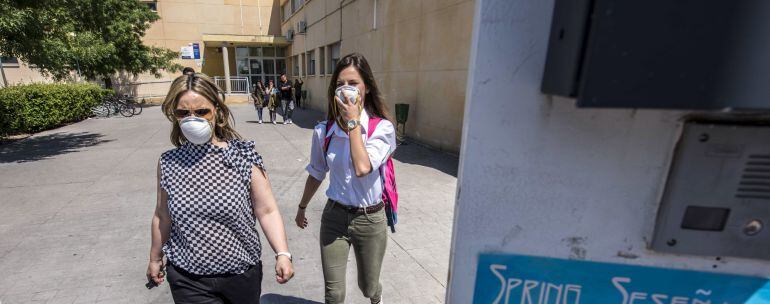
{"x": 359, "y": 210}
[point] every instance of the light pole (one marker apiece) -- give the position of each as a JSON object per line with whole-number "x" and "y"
{"x": 77, "y": 64}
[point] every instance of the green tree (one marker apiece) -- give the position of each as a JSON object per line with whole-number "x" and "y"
{"x": 96, "y": 38}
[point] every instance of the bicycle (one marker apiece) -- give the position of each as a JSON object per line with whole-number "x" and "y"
{"x": 103, "y": 108}
{"x": 112, "y": 105}
{"x": 135, "y": 106}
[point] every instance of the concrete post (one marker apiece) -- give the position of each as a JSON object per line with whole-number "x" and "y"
{"x": 226, "y": 63}
{"x": 2, "y": 74}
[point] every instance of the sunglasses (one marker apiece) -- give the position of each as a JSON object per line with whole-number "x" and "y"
{"x": 181, "y": 113}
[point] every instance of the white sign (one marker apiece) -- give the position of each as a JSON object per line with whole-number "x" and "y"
{"x": 187, "y": 52}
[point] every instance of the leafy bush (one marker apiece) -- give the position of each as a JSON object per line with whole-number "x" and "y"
{"x": 38, "y": 107}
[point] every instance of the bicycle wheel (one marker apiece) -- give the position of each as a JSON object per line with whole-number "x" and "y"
{"x": 113, "y": 105}
{"x": 101, "y": 110}
{"x": 138, "y": 107}
{"x": 126, "y": 108}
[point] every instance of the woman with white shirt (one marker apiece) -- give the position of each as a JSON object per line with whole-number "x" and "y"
{"x": 354, "y": 213}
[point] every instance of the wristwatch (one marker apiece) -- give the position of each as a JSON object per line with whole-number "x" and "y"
{"x": 352, "y": 124}
{"x": 284, "y": 253}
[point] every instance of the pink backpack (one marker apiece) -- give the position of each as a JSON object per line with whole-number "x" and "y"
{"x": 387, "y": 175}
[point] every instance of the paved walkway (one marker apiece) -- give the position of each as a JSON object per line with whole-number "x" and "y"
{"x": 77, "y": 201}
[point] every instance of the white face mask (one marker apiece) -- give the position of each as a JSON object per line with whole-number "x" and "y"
{"x": 197, "y": 130}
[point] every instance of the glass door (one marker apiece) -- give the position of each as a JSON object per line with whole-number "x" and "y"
{"x": 260, "y": 63}
{"x": 255, "y": 70}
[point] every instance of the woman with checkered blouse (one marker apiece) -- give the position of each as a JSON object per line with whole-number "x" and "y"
{"x": 212, "y": 190}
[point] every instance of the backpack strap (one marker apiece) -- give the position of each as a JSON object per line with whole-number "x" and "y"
{"x": 327, "y": 136}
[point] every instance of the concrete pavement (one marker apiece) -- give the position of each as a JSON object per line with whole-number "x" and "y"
{"x": 77, "y": 201}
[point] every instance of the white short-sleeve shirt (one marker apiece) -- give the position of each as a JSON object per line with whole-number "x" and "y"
{"x": 344, "y": 186}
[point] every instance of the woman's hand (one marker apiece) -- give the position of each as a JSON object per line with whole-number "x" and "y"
{"x": 301, "y": 219}
{"x": 349, "y": 108}
{"x": 284, "y": 270}
{"x": 154, "y": 273}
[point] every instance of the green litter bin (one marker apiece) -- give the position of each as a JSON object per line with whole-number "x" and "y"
{"x": 402, "y": 112}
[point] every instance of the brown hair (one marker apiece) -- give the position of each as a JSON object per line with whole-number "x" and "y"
{"x": 203, "y": 85}
{"x": 374, "y": 103}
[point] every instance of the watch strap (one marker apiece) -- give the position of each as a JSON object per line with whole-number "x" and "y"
{"x": 283, "y": 253}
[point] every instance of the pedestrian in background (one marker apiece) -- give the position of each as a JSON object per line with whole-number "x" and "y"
{"x": 287, "y": 104}
{"x": 212, "y": 191}
{"x": 259, "y": 98}
{"x": 270, "y": 95}
{"x": 354, "y": 213}
{"x": 298, "y": 92}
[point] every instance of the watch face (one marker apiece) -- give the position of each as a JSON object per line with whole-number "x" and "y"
{"x": 352, "y": 124}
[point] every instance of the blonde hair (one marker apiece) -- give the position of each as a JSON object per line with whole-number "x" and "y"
{"x": 203, "y": 85}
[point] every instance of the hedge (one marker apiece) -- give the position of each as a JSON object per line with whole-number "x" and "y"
{"x": 37, "y": 107}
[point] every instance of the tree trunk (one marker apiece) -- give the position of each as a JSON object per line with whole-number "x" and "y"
{"x": 107, "y": 83}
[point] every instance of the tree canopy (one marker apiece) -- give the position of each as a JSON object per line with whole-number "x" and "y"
{"x": 97, "y": 37}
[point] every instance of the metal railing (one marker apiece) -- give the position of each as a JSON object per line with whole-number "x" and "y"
{"x": 238, "y": 84}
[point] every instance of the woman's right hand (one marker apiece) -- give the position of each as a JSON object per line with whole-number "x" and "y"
{"x": 154, "y": 273}
{"x": 301, "y": 219}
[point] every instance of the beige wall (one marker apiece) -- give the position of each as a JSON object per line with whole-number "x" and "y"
{"x": 419, "y": 54}
{"x": 22, "y": 74}
{"x": 185, "y": 21}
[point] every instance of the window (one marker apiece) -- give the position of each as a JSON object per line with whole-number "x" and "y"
{"x": 280, "y": 65}
{"x": 152, "y": 5}
{"x": 269, "y": 67}
{"x": 260, "y": 62}
{"x": 303, "y": 68}
{"x": 9, "y": 61}
{"x": 322, "y": 57}
{"x": 334, "y": 56}
{"x": 268, "y": 52}
{"x": 256, "y": 67}
{"x": 242, "y": 52}
{"x": 295, "y": 63}
{"x": 285, "y": 11}
{"x": 310, "y": 63}
{"x": 242, "y": 64}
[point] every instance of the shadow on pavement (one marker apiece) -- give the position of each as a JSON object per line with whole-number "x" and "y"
{"x": 271, "y": 298}
{"x": 306, "y": 118}
{"x": 41, "y": 147}
{"x": 412, "y": 153}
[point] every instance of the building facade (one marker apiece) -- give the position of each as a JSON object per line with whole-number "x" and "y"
{"x": 418, "y": 50}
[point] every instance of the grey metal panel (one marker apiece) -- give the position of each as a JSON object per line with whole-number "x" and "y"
{"x": 719, "y": 167}
{"x": 687, "y": 54}
{"x": 565, "y": 47}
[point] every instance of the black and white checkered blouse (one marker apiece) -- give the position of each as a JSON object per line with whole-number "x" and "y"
{"x": 213, "y": 229}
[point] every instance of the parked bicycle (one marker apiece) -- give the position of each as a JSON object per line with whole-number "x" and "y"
{"x": 125, "y": 105}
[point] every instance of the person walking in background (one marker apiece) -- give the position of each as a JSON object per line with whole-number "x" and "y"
{"x": 259, "y": 98}
{"x": 287, "y": 105}
{"x": 212, "y": 191}
{"x": 354, "y": 213}
{"x": 298, "y": 92}
{"x": 270, "y": 97}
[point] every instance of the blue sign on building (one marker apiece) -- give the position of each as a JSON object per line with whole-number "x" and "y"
{"x": 537, "y": 280}
{"x": 196, "y": 51}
